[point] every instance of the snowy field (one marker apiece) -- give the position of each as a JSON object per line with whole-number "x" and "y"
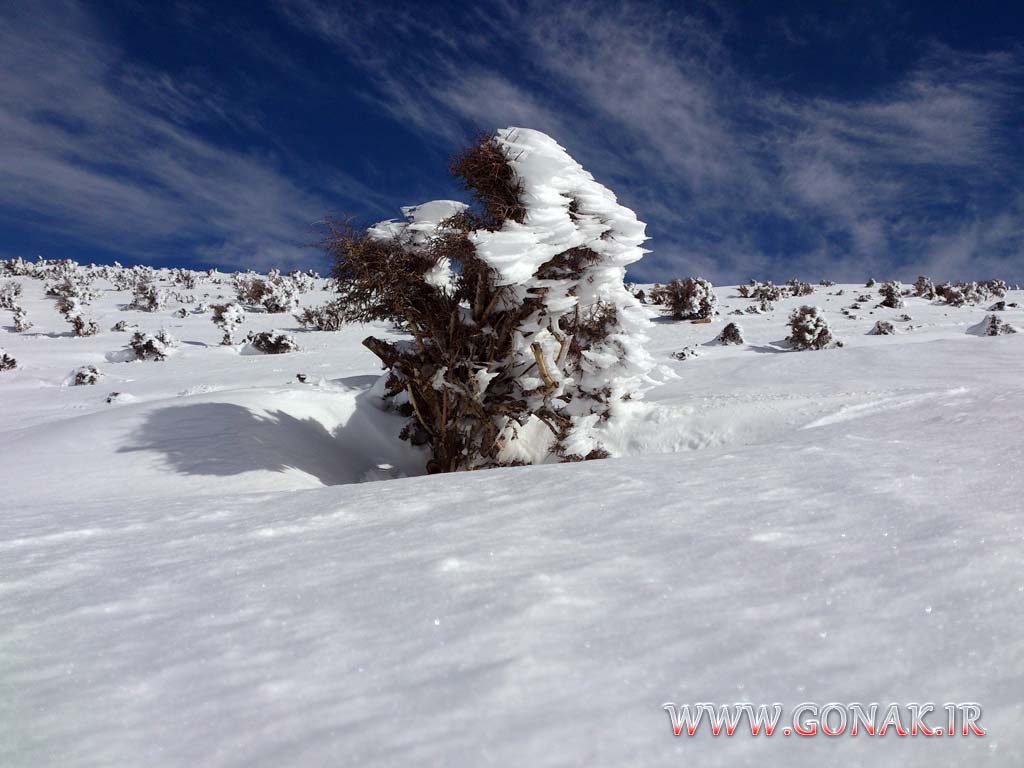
{"x": 201, "y": 573}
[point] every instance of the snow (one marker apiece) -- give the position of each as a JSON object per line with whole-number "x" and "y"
{"x": 197, "y": 573}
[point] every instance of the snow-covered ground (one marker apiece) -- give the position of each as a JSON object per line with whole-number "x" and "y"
{"x": 196, "y": 573}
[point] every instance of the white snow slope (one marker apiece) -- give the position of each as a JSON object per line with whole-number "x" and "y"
{"x": 194, "y": 575}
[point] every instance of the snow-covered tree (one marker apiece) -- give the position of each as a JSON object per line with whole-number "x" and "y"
{"x": 326, "y": 317}
{"x": 9, "y": 293}
{"x": 147, "y": 346}
{"x": 731, "y": 334}
{"x": 148, "y": 297}
{"x": 808, "y": 329}
{"x": 272, "y": 342}
{"x": 799, "y": 287}
{"x": 525, "y": 340}
{"x": 21, "y": 321}
{"x": 892, "y": 295}
{"x": 882, "y": 328}
{"x": 692, "y": 298}
{"x": 7, "y": 363}
{"x": 83, "y": 326}
{"x": 85, "y": 376}
{"x": 923, "y": 288}
{"x": 227, "y": 317}
{"x": 996, "y": 326}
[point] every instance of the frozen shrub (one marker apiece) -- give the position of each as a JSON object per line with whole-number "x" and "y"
{"x": 658, "y": 294}
{"x": 905, "y": 318}
{"x": 148, "y": 346}
{"x": 731, "y": 334}
{"x": 227, "y": 317}
{"x": 686, "y": 353}
{"x": 864, "y": 298}
{"x": 326, "y": 317}
{"x": 808, "y": 329}
{"x": 924, "y": 288}
{"x": 304, "y": 282}
{"x": 148, "y": 297}
{"x": 871, "y": 283}
{"x": 799, "y": 287}
{"x": 17, "y": 267}
{"x": 9, "y": 293}
{"x": 83, "y": 326}
{"x": 248, "y": 287}
{"x": 524, "y": 339}
{"x": 767, "y": 293}
{"x": 68, "y": 281}
{"x": 690, "y": 299}
{"x": 272, "y": 342}
{"x": 186, "y": 278}
{"x": 85, "y": 376}
{"x": 7, "y": 363}
{"x": 826, "y": 283}
{"x": 882, "y": 328}
{"x": 275, "y": 294}
{"x": 181, "y": 313}
{"x": 892, "y": 295}
{"x": 999, "y": 306}
{"x": 279, "y": 295}
{"x": 996, "y": 326}
{"x": 21, "y": 321}
{"x": 995, "y": 288}
{"x": 119, "y": 326}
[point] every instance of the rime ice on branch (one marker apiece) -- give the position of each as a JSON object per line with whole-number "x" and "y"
{"x": 525, "y": 338}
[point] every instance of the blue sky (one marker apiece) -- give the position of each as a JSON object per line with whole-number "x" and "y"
{"x": 765, "y": 140}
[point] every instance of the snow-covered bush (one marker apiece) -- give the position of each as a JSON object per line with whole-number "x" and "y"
{"x": 304, "y": 282}
{"x": 996, "y": 288}
{"x": 882, "y": 328}
{"x": 148, "y": 346}
{"x": 326, "y": 317}
{"x": 9, "y": 293}
{"x": 272, "y": 342}
{"x": 21, "y": 321}
{"x": 996, "y": 326}
{"x": 186, "y": 278}
{"x": 148, "y": 297}
{"x": 85, "y": 376}
{"x": 808, "y": 329}
{"x": 767, "y": 293}
{"x": 524, "y": 337}
{"x": 83, "y": 326}
{"x": 731, "y": 334}
{"x": 227, "y": 317}
{"x": 276, "y": 293}
{"x": 686, "y": 353}
{"x": 892, "y": 295}
{"x": 692, "y": 298}
{"x": 119, "y": 326}
{"x": 279, "y": 295}
{"x": 70, "y": 282}
{"x": 17, "y": 267}
{"x": 826, "y": 283}
{"x": 924, "y": 288}
{"x": 7, "y": 363}
{"x": 799, "y": 287}
{"x": 871, "y": 283}
{"x": 999, "y": 306}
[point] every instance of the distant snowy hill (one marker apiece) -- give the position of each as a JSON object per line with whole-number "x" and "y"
{"x": 198, "y": 573}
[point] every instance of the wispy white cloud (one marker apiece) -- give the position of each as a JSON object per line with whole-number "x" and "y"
{"x": 736, "y": 177}
{"x": 113, "y": 154}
